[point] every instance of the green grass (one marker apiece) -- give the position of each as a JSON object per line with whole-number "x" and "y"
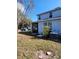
{"x": 27, "y": 48}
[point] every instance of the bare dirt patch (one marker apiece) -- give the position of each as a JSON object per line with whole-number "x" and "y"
{"x": 28, "y": 48}
{"x": 22, "y": 36}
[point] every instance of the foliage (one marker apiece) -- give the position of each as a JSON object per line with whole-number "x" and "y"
{"x": 23, "y": 9}
{"x": 27, "y": 4}
{"x": 45, "y": 30}
{"x": 22, "y": 20}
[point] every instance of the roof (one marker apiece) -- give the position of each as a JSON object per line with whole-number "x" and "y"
{"x": 57, "y": 8}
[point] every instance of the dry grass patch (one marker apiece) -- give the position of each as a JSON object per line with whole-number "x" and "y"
{"x": 28, "y": 47}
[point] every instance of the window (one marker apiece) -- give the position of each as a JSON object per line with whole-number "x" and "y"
{"x": 50, "y": 16}
{"x": 39, "y": 17}
{"x": 44, "y": 16}
{"x": 49, "y": 24}
{"x": 56, "y": 13}
{"x": 45, "y": 24}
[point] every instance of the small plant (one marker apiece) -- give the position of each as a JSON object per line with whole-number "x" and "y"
{"x": 46, "y": 30}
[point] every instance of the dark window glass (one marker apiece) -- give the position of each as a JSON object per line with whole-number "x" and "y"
{"x": 39, "y": 18}
{"x": 50, "y": 16}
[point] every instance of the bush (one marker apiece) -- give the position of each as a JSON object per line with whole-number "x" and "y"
{"x": 46, "y": 31}
{"x": 34, "y": 31}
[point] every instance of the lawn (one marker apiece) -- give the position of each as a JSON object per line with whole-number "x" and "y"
{"x": 28, "y": 48}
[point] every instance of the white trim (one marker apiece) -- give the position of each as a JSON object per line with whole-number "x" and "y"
{"x": 50, "y": 19}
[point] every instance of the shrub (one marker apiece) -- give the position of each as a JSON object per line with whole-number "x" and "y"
{"x": 45, "y": 30}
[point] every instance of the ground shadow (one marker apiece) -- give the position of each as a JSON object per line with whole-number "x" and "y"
{"x": 53, "y": 37}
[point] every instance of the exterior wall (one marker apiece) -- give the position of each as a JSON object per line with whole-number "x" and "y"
{"x": 50, "y": 14}
{"x": 56, "y": 26}
{"x": 56, "y": 13}
{"x": 40, "y": 27}
{"x": 44, "y": 16}
{"x": 55, "y": 19}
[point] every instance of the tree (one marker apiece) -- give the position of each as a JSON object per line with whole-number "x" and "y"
{"x": 46, "y": 31}
{"x": 28, "y": 5}
{"x": 22, "y": 20}
{"x": 23, "y": 9}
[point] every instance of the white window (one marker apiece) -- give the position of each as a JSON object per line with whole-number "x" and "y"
{"x": 49, "y": 24}
{"x": 56, "y": 13}
{"x": 44, "y": 16}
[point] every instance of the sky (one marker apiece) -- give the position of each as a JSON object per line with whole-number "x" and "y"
{"x": 41, "y": 6}
{"x": 20, "y": 7}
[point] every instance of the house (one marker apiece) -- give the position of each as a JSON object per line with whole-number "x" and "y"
{"x": 53, "y": 17}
